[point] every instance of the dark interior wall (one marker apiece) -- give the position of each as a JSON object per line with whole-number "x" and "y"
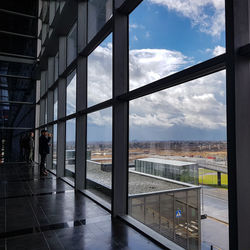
{"x": 18, "y": 42}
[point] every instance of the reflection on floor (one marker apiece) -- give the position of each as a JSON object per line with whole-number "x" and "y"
{"x": 46, "y": 213}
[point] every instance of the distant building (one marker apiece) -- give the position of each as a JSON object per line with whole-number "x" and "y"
{"x": 172, "y": 169}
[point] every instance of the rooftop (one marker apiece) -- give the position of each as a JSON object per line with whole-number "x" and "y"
{"x": 138, "y": 182}
{"x": 167, "y": 162}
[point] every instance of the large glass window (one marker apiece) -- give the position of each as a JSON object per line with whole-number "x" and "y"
{"x": 99, "y": 12}
{"x": 177, "y": 139}
{"x": 56, "y": 66}
{"x": 54, "y": 148}
{"x": 168, "y": 36}
{"x": 42, "y": 111}
{"x": 70, "y": 149}
{"x": 46, "y": 110}
{"x": 100, "y": 73}
{"x": 71, "y": 94}
{"x": 55, "y": 103}
{"x": 72, "y": 44}
{"x": 99, "y": 153}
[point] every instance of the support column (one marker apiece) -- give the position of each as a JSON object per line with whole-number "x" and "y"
{"x": 60, "y": 149}
{"x": 120, "y": 116}
{"x": 219, "y": 178}
{"x": 238, "y": 120}
{"x": 61, "y": 130}
{"x": 81, "y": 99}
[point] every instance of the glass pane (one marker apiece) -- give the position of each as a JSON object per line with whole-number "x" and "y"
{"x": 54, "y": 161}
{"x": 167, "y": 215}
{"x": 42, "y": 111}
{"x": 71, "y": 94}
{"x": 55, "y": 103}
{"x": 193, "y": 220}
{"x": 56, "y": 66}
{"x": 70, "y": 148}
{"x": 168, "y": 36}
{"x": 46, "y": 110}
{"x": 18, "y": 45}
{"x": 99, "y": 12}
{"x": 99, "y": 153}
{"x": 72, "y": 45}
{"x": 180, "y": 205}
{"x": 177, "y": 139}
{"x": 100, "y": 73}
{"x": 152, "y": 211}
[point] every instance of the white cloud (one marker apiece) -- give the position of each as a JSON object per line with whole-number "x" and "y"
{"x": 101, "y": 118}
{"x": 208, "y": 15}
{"x": 100, "y": 75}
{"x": 218, "y": 50}
{"x": 197, "y": 104}
{"x": 149, "y": 65}
{"x": 71, "y": 96}
{"x": 135, "y": 26}
{"x": 147, "y": 34}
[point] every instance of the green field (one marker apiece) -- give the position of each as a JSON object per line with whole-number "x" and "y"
{"x": 209, "y": 177}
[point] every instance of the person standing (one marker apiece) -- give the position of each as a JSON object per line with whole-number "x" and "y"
{"x": 31, "y": 144}
{"x": 44, "y": 150}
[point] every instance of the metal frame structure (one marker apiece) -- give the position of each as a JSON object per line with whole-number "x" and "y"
{"x": 235, "y": 61}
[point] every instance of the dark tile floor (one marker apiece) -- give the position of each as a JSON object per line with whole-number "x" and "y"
{"x": 46, "y": 213}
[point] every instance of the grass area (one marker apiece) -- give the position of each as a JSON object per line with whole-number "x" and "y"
{"x": 209, "y": 177}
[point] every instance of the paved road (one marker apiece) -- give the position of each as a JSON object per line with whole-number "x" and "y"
{"x": 214, "y": 229}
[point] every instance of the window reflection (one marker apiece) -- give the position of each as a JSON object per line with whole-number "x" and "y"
{"x": 99, "y": 12}
{"x": 56, "y": 66}
{"x": 72, "y": 45}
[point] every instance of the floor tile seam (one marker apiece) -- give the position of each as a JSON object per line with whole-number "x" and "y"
{"x": 45, "y": 240}
{"x": 46, "y": 228}
{"x": 37, "y": 194}
{"x": 58, "y": 240}
{"x": 27, "y": 180}
{"x": 34, "y": 213}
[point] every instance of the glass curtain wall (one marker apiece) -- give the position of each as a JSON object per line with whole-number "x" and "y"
{"x": 177, "y": 136}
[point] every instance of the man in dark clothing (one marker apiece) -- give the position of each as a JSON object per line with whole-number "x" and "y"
{"x": 44, "y": 150}
{"x": 31, "y": 143}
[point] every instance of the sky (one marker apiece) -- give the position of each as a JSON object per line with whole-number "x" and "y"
{"x": 166, "y": 36}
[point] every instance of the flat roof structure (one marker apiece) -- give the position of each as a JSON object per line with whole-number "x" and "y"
{"x": 167, "y": 162}
{"x": 138, "y": 182}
